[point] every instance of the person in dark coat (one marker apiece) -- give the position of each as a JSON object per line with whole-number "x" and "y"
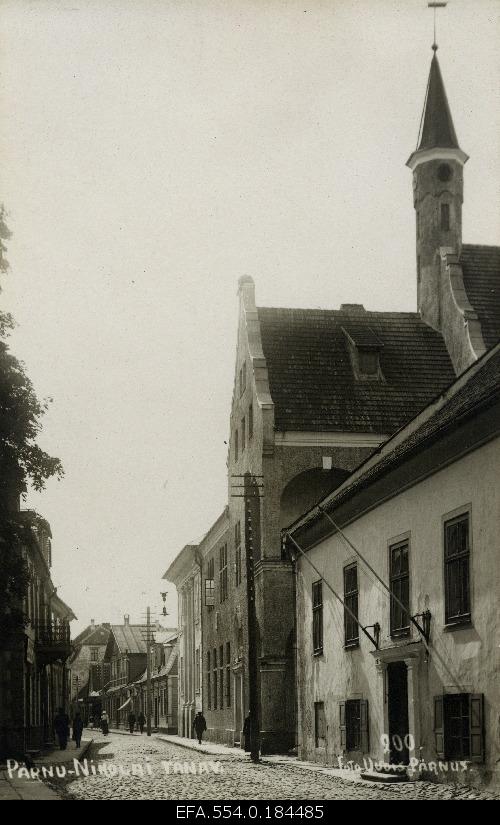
{"x": 104, "y": 723}
{"x": 131, "y": 721}
{"x": 61, "y": 727}
{"x": 246, "y": 733}
{"x": 141, "y": 721}
{"x": 199, "y": 725}
{"x": 77, "y": 729}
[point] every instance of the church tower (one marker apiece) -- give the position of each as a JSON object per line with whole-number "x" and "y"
{"x": 437, "y": 166}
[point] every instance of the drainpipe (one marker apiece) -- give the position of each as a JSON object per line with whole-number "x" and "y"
{"x": 298, "y": 682}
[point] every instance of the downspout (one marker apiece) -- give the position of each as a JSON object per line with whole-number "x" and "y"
{"x": 298, "y": 681}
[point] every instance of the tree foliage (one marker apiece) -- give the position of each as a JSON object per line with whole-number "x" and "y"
{"x": 22, "y": 461}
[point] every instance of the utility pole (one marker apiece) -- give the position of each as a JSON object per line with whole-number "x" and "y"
{"x": 252, "y": 542}
{"x": 148, "y": 671}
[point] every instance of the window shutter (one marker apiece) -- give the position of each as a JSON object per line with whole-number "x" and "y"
{"x": 343, "y": 736}
{"x": 364, "y": 726}
{"x": 439, "y": 726}
{"x": 476, "y": 727}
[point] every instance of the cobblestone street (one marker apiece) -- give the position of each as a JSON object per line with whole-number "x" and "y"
{"x": 154, "y": 772}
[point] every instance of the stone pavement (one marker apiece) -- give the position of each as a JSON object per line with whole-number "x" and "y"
{"x": 20, "y": 787}
{"x": 282, "y": 777}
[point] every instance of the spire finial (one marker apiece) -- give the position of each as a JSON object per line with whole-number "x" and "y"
{"x": 435, "y": 6}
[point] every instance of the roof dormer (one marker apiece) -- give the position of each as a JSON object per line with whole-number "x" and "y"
{"x": 364, "y": 350}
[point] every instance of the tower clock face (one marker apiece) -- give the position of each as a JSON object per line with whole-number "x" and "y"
{"x": 444, "y": 172}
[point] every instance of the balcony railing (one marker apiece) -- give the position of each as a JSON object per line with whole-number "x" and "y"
{"x": 51, "y": 633}
{"x": 52, "y": 642}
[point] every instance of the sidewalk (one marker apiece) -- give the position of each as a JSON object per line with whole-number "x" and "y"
{"x": 214, "y": 749}
{"x": 20, "y": 787}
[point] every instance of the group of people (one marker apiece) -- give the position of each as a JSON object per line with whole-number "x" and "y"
{"x": 140, "y": 720}
{"x": 62, "y": 728}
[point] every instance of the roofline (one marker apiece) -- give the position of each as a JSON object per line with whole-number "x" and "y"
{"x": 70, "y": 615}
{"x": 436, "y": 153}
{"x": 181, "y": 562}
{"x": 313, "y": 514}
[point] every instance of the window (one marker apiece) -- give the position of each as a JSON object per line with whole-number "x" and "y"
{"x": 94, "y": 654}
{"x": 197, "y": 670}
{"x": 319, "y": 725}
{"x": 368, "y": 360}
{"x": 215, "y": 679}
{"x": 243, "y": 433}
{"x": 250, "y": 422}
{"x": 209, "y": 683}
{"x": 459, "y": 726}
{"x": 228, "y": 674}
{"x": 237, "y": 553}
{"x": 456, "y": 570}
{"x": 221, "y": 676}
{"x": 223, "y": 573}
{"x": 317, "y": 606}
{"x": 236, "y": 438}
{"x": 351, "y": 627}
{"x": 445, "y": 217}
{"x": 354, "y": 725}
{"x": 210, "y": 584}
{"x": 243, "y": 378}
{"x": 400, "y": 586}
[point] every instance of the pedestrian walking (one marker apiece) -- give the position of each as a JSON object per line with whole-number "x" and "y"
{"x": 131, "y": 722}
{"x": 104, "y": 723}
{"x": 77, "y": 729}
{"x": 61, "y": 727}
{"x": 246, "y": 733}
{"x": 199, "y": 725}
{"x": 141, "y": 721}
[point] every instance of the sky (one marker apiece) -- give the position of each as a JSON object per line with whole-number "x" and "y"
{"x": 152, "y": 154}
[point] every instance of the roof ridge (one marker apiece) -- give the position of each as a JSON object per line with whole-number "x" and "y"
{"x": 367, "y": 312}
{"x": 481, "y": 246}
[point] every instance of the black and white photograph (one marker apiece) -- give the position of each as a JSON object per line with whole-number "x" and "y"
{"x": 249, "y": 403}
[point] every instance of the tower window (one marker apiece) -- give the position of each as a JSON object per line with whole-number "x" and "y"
{"x": 444, "y": 172}
{"x": 445, "y": 217}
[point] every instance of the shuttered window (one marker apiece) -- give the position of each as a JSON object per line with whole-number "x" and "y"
{"x": 400, "y": 586}
{"x": 459, "y": 726}
{"x": 351, "y": 627}
{"x": 354, "y": 725}
{"x": 456, "y": 570}
{"x": 317, "y": 606}
{"x": 319, "y": 725}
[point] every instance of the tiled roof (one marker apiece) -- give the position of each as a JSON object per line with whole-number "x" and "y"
{"x": 93, "y": 636}
{"x": 481, "y": 273}
{"x": 130, "y": 637}
{"x": 437, "y": 126}
{"x": 477, "y": 387}
{"x": 311, "y": 378}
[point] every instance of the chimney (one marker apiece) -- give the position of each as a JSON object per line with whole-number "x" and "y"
{"x": 92, "y": 623}
{"x": 126, "y": 620}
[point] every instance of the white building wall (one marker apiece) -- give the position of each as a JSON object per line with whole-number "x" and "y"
{"x": 466, "y": 658}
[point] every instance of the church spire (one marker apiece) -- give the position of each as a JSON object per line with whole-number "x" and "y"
{"x": 437, "y": 129}
{"x": 437, "y": 166}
